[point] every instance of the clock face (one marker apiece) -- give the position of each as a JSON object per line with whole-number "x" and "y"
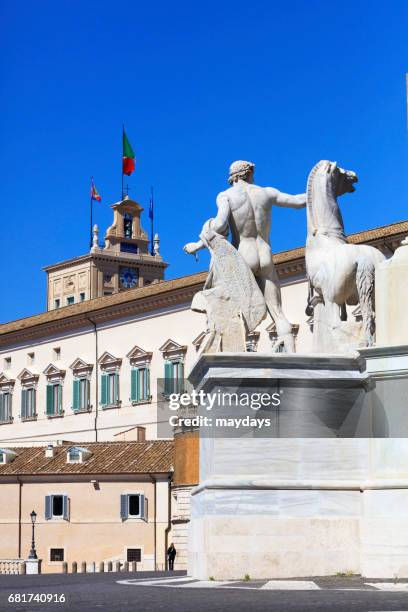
{"x": 128, "y": 277}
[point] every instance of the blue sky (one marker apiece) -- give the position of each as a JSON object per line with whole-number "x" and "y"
{"x": 198, "y": 86}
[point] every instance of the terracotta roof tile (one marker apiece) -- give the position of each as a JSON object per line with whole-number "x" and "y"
{"x": 107, "y": 458}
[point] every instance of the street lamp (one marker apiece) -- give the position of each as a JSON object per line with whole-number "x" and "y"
{"x": 33, "y": 554}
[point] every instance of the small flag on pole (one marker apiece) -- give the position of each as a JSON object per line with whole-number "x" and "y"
{"x": 94, "y": 193}
{"x": 128, "y": 157}
{"x": 151, "y": 212}
{"x": 151, "y": 206}
{"x": 406, "y": 83}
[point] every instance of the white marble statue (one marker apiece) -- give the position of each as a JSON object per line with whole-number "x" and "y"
{"x": 339, "y": 273}
{"x": 245, "y": 210}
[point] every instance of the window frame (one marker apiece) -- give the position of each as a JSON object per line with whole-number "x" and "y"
{"x": 81, "y": 394}
{"x": 49, "y": 505}
{"x": 140, "y": 377}
{"x": 7, "y": 410}
{"x": 174, "y": 383}
{"x": 52, "y": 548}
{"x": 139, "y": 548}
{"x": 28, "y": 391}
{"x": 143, "y": 506}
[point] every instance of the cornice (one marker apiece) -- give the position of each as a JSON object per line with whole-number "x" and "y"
{"x": 104, "y": 314}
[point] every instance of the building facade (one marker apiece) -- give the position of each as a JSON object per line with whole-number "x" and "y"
{"x": 92, "y": 371}
{"x": 89, "y": 371}
{"x": 101, "y": 502}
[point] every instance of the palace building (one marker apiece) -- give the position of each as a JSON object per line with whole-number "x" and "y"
{"x": 86, "y": 370}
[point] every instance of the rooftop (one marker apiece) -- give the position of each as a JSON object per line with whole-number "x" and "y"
{"x": 145, "y": 298}
{"x": 155, "y": 456}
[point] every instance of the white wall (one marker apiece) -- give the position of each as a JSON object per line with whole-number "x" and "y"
{"x": 148, "y": 331}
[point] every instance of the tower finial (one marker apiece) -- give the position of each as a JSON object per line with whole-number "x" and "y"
{"x": 95, "y": 241}
{"x": 156, "y": 245}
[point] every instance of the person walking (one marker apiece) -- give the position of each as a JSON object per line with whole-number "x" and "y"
{"x": 171, "y": 555}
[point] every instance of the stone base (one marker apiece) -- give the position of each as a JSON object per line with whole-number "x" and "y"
{"x": 33, "y": 566}
{"x": 292, "y": 507}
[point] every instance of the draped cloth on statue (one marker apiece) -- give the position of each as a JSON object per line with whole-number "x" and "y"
{"x": 231, "y": 298}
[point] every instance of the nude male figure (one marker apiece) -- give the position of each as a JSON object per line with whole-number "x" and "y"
{"x": 245, "y": 210}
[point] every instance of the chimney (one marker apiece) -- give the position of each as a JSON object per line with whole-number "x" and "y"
{"x": 141, "y": 434}
{"x": 49, "y": 451}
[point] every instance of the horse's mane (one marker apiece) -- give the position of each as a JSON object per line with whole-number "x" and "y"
{"x": 309, "y": 189}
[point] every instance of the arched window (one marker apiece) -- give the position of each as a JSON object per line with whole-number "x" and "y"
{"x": 127, "y": 225}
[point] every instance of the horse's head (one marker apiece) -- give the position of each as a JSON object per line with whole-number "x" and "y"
{"x": 326, "y": 182}
{"x": 342, "y": 180}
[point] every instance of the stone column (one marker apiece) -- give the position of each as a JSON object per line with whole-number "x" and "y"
{"x": 391, "y": 291}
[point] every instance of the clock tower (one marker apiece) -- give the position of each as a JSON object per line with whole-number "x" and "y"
{"x": 123, "y": 262}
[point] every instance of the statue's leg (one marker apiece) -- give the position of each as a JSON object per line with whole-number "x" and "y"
{"x": 272, "y": 294}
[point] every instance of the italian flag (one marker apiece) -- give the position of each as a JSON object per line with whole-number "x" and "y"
{"x": 128, "y": 157}
{"x": 94, "y": 193}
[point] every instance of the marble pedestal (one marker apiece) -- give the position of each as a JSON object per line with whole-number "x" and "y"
{"x": 33, "y": 566}
{"x": 331, "y": 496}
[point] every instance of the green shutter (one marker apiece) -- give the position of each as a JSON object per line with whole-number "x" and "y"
{"x": 50, "y": 408}
{"x": 134, "y": 385}
{"x": 88, "y": 395}
{"x": 2, "y": 415}
{"x": 23, "y": 403}
{"x": 59, "y": 408}
{"x": 104, "y": 389}
{"x": 76, "y": 402}
{"x": 116, "y": 390}
{"x": 168, "y": 378}
{"x": 181, "y": 377}
{"x": 147, "y": 384}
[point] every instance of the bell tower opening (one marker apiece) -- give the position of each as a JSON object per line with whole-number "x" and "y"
{"x": 127, "y": 225}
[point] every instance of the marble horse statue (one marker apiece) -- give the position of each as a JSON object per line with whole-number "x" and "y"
{"x": 339, "y": 273}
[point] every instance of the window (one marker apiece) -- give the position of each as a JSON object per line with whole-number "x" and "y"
{"x": 30, "y": 358}
{"x": 81, "y": 388}
{"x": 28, "y": 403}
{"x": 7, "y": 455}
{"x": 56, "y": 506}
{"x": 74, "y": 455}
{"x": 5, "y": 407}
{"x": 82, "y": 297}
{"x": 140, "y": 385}
{"x": 70, "y": 300}
{"x": 110, "y": 389}
{"x": 127, "y": 225}
{"x": 57, "y": 303}
{"x": 56, "y": 554}
{"x": 133, "y": 554}
{"x": 56, "y": 352}
{"x": 173, "y": 377}
{"x": 54, "y": 399}
{"x": 7, "y": 363}
{"x": 133, "y": 505}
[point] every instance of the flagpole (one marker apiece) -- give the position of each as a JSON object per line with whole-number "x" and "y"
{"x": 151, "y": 222}
{"x": 91, "y": 229}
{"x": 123, "y": 132}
